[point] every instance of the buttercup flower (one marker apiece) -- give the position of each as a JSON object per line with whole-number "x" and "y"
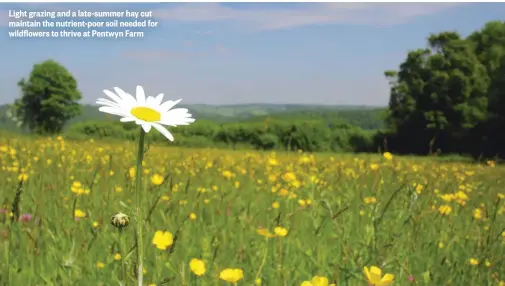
{"x": 473, "y": 261}
{"x": 197, "y": 266}
{"x": 317, "y": 281}
{"x": 163, "y": 240}
{"x": 147, "y": 113}
{"x": 280, "y": 231}
{"x": 231, "y": 275}
{"x": 265, "y": 232}
{"x": 375, "y": 278}
{"x": 79, "y": 214}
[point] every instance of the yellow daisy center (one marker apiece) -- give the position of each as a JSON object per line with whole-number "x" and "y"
{"x": 145, "y": 113}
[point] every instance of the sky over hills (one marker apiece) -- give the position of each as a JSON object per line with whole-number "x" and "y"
{"x": 308, "y": 53}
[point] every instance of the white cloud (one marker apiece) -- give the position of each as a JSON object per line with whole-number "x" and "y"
{"x": 310, "y": 14}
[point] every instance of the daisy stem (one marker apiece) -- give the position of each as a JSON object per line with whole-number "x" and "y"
{"x": 140, "y": 158}
{"x": 122, "y": 248}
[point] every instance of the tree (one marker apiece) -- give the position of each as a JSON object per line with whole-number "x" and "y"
{"x": 489, "y": 43}
{"x": 49, "y": 98}
{"x": 438, "y": 95}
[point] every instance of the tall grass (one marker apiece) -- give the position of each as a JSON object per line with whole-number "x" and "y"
{"x": 341, "y": 213}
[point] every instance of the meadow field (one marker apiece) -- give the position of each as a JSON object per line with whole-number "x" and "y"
{"x": 218, "y": 217}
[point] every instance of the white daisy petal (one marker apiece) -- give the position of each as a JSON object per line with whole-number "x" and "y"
{"x": 163, "y": 131}
{"x": 146, "y": 127}
{"x": 125, "y": 96}
{"x": 108, "y": 105}
{"x": 174, "y": 119}
{"x": 176, "y": 113}
{"x": 180, "y": 111}
{"x": 113, "y": 96}
{"x": 158, "y": 99}
{"x": 113, "y": 111}
{"x": 185, "y": 121}
{"x": 128, "y": 119}
{"x": 165, "y": 106}
{"x": 115, "y": 106}
{"x": 106, "y": 102}
{"x": 141, "y": 97}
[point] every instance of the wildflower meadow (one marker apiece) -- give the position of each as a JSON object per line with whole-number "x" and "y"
{"x": 218, "y": 217}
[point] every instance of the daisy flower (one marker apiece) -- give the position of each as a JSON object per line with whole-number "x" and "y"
{"x": 147, "y": 112}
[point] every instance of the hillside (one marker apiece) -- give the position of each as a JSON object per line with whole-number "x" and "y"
{"x": 361, "y": 116}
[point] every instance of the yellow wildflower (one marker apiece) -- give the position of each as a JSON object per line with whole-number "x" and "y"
{"x": 79, "y": 214}
{"x": 157, "y": 179}
{"x": 227, "y": 174}
{"x": 232, "y": 275}
{"x": 477, "y": 214}
{"x": 289, "y": 177}
{"x": 22, "y": 177}
{"x": 197, "y": 266}
{"x": 265, "y": 232}
{"x": 374, "y": 276}
{"x": 317, "y": 281}
{"x": 280, "y": 231}
{"x": 445, "y": 209}
{"x": 162, "y": 240}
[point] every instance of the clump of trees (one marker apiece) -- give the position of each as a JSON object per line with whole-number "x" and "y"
{"x": 451, "y": 96}
{"x": 49, "y": 98}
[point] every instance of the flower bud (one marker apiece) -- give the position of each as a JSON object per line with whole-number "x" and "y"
{"x": 120, "y": 220}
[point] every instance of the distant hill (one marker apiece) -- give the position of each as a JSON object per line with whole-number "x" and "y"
{"x": 245, "y": 111}
{"x": 365, "y": 117}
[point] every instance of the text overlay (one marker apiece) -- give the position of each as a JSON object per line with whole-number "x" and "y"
{"x": 80, "y": 24}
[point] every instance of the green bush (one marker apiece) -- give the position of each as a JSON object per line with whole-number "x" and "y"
{"x": 311, "y": 135}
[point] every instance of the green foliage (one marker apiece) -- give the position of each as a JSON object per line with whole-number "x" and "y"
{"x": 49, "y": 98}
{"x": 449, "y": 96}
{"x": 297, "y": 135}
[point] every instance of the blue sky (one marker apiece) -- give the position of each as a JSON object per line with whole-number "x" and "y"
{"x": 309, "y": 53}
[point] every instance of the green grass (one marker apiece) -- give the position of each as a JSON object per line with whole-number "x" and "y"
{"x": 335, "y": 236}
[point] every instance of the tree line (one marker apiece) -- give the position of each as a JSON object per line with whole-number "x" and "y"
{"x": 313, "y": 136}
{"x": 448, "y": 97}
